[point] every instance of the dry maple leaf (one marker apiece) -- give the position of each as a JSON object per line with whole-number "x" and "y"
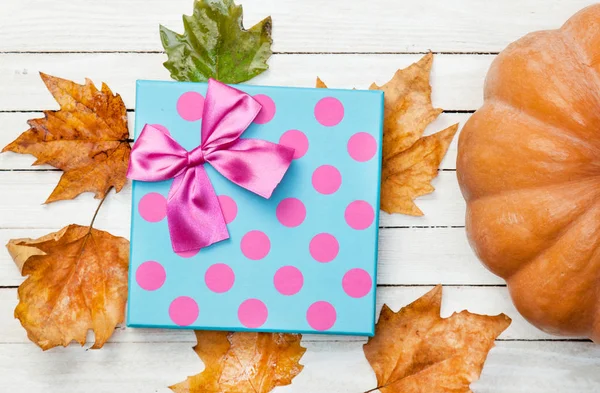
{"x": 87, "y": 138}
{"x": 407, "y": 106}
{"x": 244, "y": 362}
{"x": 410, "y": 161}
{"x": 77, "y": 281}
{"x": 320, "y": 84}
{"x": 417, "y": 351}
{"x": 407, "y": 175}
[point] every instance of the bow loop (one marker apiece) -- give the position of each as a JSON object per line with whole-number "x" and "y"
{"x": 194, "y": 215}
{"x": 227, "y": 114}
{"x": 147, "y": 163}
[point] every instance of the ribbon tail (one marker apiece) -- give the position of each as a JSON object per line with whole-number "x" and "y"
{"x": 193, "y": 212}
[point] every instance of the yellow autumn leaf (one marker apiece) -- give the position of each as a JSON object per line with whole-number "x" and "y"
{"x": 77, "y": 280}
{"x": 244, "y": 362}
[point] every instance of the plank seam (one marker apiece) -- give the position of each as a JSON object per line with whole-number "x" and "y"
{"x": 130, "y": 110}
{"x": 349, "y": 341}
{"x": 30, "y": 170}
{"x": 388, "y": 227}
{"x": 343, "y": 53}
{"x": 11, "y": 287}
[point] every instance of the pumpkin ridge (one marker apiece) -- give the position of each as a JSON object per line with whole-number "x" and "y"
{"x": 540, "y": 75}
{"x": 535, "y": 188}
{"x": 558, "y": 132}
{"x": 557, "y": 237}
{"x": 528, "y": 166}
{"x": 492, "y": 250}
{"x": 575, "y": 48}
{"x": 591, "y": 291}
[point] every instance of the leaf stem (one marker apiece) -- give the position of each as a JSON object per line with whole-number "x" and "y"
{"x": 98, "y": 209}
{"x": 372, "y": 390}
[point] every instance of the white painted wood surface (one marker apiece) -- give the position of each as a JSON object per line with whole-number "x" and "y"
{"x": 348, "y": 44}
{"x": 301, "y": 26}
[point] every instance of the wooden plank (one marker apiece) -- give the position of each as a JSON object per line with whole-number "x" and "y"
{"x": 23, "y": 194}
{"x": 547, "y": 367}
{"x": 299, "y": 26}
{"x": 406, "y": 257}
{"x": 12, "y": 124}
{"x": 457, "y": 79}
{"x": 131, "y": 368}
{"x": 414, "y": 256}
{"x": 329, "y": 367}
{"x": 482, "y": 300}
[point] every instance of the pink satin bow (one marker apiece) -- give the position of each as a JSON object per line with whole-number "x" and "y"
{"x": 194, "y": 215}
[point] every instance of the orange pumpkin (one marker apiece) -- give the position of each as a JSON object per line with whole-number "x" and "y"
{"x": 529, "y": 168}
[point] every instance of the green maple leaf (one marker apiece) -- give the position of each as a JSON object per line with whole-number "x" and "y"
{"x": 216, "y": 45}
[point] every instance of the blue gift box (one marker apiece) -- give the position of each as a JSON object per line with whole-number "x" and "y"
{"x": 303, "y": 261}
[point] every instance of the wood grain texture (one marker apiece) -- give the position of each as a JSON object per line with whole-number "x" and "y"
{"x": 299, "y": 26}
{"x": 533, "y": 367}
{"x": 457, "y": 79}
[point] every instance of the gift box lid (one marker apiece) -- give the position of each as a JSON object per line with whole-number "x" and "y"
{"x": 304, "y": 260}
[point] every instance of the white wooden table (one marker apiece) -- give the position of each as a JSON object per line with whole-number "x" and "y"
{"x": 347, "y": 43}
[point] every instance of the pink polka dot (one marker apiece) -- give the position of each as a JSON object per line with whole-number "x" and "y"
{"x": 329, "y": 111}
{"x": 324, "y": 247}
{"x": 321, "y": 315}
{"x": 219, "y": 278}
{"x": 362, "y": 146}
{"x": 188, "y": 254}
{"x": 326, "y": 179}
{"x": 255, "y": 245}
{"x": 268, "y": 109}
{"x": 183, "y": 311}
{"x": 162, "y": 128}
{"x": 153, "y": 207}
{"x": 357, "y": 283}
{"x": 150, "y": 275}
{"x": 190, "y": 106}
{"x": 359, "y": 215}
{"x": 297, "y": 141}
{"x": 288, "y": 280}
{"x": 291, "y": 212}
{"x": 253, "y": 313}
{"x": 228, "y": 207}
